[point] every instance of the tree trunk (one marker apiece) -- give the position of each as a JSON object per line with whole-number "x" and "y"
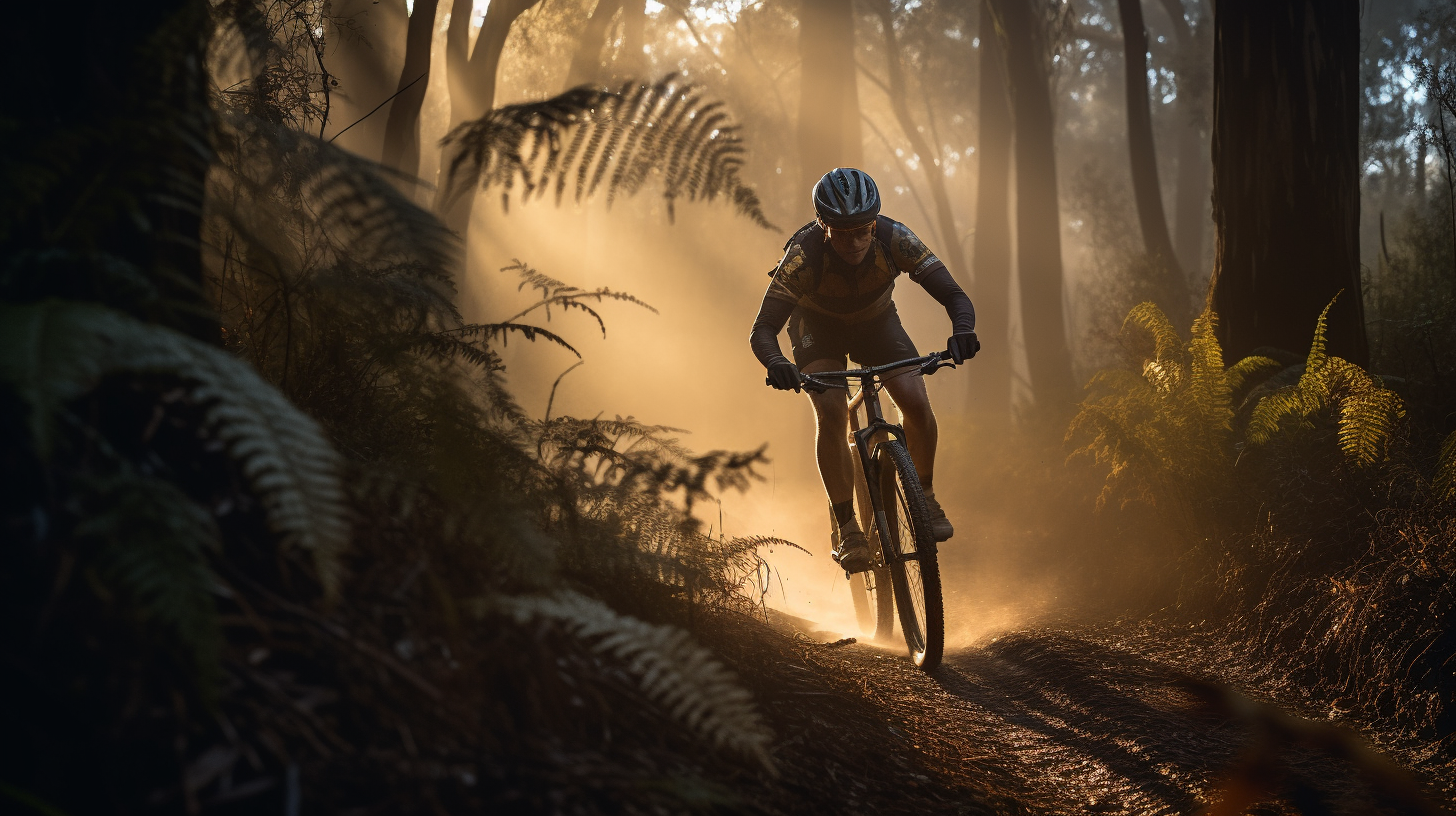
{"x": 477, "y": 93}
{"x": 991, "y": 285}
{"x": 365, "y": 57}
{"x": 829, "y": 134}
{"x": 630, "y": 61}
{"x": 1147, "y": 192}
{"x": 929, "y": 154}
{"x": 1038, "y": 221}
{"x": 1286, "y": 195}
{"x": 1191, "y": 213}
{"x": 586, "y": 64}
{"x": 402, "y": 128}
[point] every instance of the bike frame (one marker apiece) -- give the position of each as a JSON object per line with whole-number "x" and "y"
{"x": 871, "y": 383}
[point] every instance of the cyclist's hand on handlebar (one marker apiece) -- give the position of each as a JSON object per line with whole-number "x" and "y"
{"x": 784, "y": 376}
{"x": 962, "y": 346}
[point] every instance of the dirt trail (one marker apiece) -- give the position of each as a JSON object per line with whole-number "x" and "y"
{"x": 1032, "y": 722}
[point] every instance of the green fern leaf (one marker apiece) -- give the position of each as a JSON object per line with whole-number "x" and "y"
{"x": 1241, "y": 372}
{"x": 1148, "y": 317}
{"x": 56, "y": 351}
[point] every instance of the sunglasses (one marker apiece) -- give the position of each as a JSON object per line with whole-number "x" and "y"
{"x": 853, "y": 232}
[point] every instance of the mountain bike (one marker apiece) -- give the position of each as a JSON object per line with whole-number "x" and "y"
{"x": 894, "y": 514}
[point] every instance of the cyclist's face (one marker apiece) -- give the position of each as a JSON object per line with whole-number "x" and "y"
{"x": 852, "y": 244}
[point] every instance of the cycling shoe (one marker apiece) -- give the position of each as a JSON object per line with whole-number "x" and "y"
{"x": 940, "y": 526}
{"x": 853, "y": 552}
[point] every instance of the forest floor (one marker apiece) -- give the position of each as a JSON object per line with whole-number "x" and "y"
{"x": 1034, "y": 721}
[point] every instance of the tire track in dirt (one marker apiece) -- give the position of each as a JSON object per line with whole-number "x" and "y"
{"x": 1068, "y": 724}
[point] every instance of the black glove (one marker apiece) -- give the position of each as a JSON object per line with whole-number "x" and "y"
{"x": 962, "y": 346}
{"x": 784, "y": 376}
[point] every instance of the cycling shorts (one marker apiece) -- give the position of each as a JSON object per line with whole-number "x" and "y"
{"x": 877, "y": 341}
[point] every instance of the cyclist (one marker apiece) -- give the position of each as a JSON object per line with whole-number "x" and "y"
{"x": 832, "y": 287}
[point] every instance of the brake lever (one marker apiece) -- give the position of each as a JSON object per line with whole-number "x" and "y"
{"x": 812, "y": 386}
{"x": 931, "y": 366}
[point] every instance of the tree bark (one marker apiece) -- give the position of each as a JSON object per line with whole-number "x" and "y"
{"x": 829, "y": 129}
{"x": 929, "y": 154}
{"x": 476, "y": 88}
{"x": 586, "y": 64}
{"x": 402, "y": 128}
{"x": 1286, "y": 196}
{"x": 1147, "y": 192}
{"x": 991, "y": 285}
{"x": 1038, "y": 220}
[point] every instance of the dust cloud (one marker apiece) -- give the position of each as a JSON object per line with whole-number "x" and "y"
{"x": 689, "y": 367}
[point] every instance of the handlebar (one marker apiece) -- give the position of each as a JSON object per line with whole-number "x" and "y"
{"x": 929, "y": 364}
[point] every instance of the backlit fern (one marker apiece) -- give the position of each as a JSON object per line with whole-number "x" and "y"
{"x": 1367, "y": 413}
{"x": 1164, "y": 430}
{"x": 612, "y": 141}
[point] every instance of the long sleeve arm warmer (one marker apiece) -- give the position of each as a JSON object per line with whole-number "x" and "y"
{"x": 949, "y": 294}
{"x": 764, "y": 340}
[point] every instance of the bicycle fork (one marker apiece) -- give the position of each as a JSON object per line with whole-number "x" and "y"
{"x": 872, "y": 481}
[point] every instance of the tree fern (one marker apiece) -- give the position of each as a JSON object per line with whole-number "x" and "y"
{"x": 683, "y": 677}
{"x": 607, "y": 139}
{"x": 56, "y": 351}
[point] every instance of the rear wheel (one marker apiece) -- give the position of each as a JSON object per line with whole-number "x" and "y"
{"x": 910, "y": 546}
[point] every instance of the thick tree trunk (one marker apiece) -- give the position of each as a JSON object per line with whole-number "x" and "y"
{"x": 586, "y": 64}
{"x": 829, "y": 128}
{"x": 1147, "y": 192}
{"x": 476, "y": 87}
{"x": 929, "y": 154}
{"x": 991, "y": 286}
{"x": 1286, "y": 196}
{"x": 402, "y": 128}
{"x": 1038, "y": 221}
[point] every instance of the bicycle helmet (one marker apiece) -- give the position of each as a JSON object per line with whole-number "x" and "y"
{"x": 846, "y": 198}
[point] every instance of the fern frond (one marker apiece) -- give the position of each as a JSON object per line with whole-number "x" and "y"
{"x": 1209, "y": 391}
{"x": 683, "y": 677}
{"x": 351, "y": 200}
{"x": 1317, "y": 356}
{"x": 56, "y": 351}
{"x": 620, "y": 138}
{"x": 487, "y": 332}
{"x": 1273, "y": 411}
{"x": 1248, "y": 368}
{"x": 1368, "y": 412}
{"x": 1168, "y": 346}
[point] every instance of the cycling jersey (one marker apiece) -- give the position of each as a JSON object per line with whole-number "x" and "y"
{"x": 811, "y": 275}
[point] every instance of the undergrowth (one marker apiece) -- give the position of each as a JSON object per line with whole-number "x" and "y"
{"x": 283, "y": 536}
{"x": 1313, "y": 518}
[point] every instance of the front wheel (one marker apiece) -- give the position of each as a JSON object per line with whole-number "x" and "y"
{"x": 910, "y": 549}
{"x": 874, "y": 603}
